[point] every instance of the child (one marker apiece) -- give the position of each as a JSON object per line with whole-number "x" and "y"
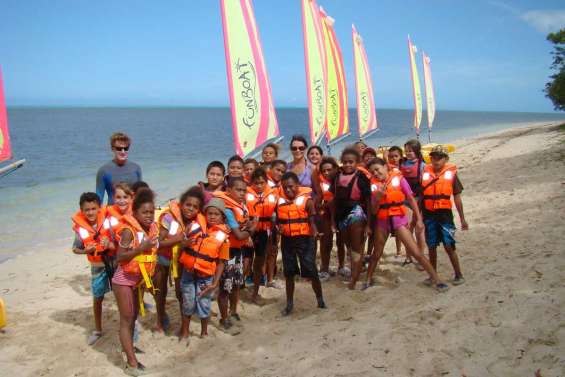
{"x": 368, "y": 155}
{"x": 439, "y": 183}
{"x": 393, "y": 157}
{"x": 235, "y": 168}
{"x": 275, "y": 173}
{"x": 392, "y": 193}
{"x": 261, "y": 201}
{"x": 269, "y": 154}
{"x": 174, "y": 226}
{"x": 360, "y": 146}
{"x": 123, "y": 196}
{"x": 93, "y": 240}
{"x": 203, "y": 260}
{"x": 295, "y": 216}
{"x": 314, "y": 155}
{"x": 352, "y": 199}
{"x": 249, "y": 165}
{"x": 215, "y": 172}
{"x": 138, "y": 241}
{"x": 241, "y": 229}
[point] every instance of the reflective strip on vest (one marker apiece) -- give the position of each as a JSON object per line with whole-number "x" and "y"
{"x": 83, "y": 233}
{"x": 174, "y": 228}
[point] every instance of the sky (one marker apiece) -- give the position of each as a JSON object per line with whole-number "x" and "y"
{"x": 486, "y": 55}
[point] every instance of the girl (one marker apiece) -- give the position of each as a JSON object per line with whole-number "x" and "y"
{"x": 394, "y": 158}
{"x": 203, "y": 260}
{"x": 137, "y": 250}
{"x": 352, "y": 196}
{"x": 300, "y": 165}
{"x": 390, "y": 196}
{"x": 174, "y": 228}
{"x": 314, "y": 155}
{"x": 249, "y": 165}
{"x": 215, "y": 172}
{"x": 269, "y": 154}
{"x": 368, "y": 155}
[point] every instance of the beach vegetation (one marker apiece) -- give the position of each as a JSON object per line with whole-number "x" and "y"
{"x": 555, "y": 89}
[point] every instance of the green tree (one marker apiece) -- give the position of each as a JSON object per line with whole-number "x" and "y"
{"x": 555, "y": 89}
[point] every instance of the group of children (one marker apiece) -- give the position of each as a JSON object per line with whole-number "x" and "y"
{"x": 229, "y": 228}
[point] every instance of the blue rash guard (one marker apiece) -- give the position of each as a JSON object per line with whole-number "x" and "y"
{"x": 111, "y": 173}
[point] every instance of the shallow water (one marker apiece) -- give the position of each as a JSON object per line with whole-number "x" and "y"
{"x": 65, "y": 146}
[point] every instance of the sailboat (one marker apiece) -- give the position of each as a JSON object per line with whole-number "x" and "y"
{"x": 366, "y": 112}
{"x": 254, "y": 121}
{"x": 337, "y": 111}
{"x": 316, "y": 70}
{"x": 5, "y": 147}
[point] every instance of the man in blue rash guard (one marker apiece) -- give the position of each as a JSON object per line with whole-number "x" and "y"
{"x": 117, "y": 170}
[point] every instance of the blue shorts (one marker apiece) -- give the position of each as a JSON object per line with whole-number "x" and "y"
{"x": 99, "y": 281}
{"x": 191, "y": 285}
{"x": 439, "y": 232}
{"x": 163, "y": 261}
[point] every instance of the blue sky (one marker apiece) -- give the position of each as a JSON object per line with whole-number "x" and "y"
{"x": 486, "y": 54}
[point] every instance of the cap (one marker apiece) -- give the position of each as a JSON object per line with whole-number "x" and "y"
{"x": 439, "y": 151}
{"x": 216, "y": 203}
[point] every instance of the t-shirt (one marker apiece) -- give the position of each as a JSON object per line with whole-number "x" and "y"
{"x": 444, "y": 215}
{"x": 231, "y": 222}
{"x": 111, "y": 173}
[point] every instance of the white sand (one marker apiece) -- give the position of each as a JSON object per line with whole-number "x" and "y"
{"x": 507, "y": 320}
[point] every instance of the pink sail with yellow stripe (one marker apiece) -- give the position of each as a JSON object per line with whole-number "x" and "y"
{"x": 5, "y": 148}
{"x": 412, "y": 50}
{"x": 429, "y": 89}
{"x": 337, "y": 117}
{"x": 316, "y": 69}
{"x": 253, "y": 113}
{"x": 366, "y": 112}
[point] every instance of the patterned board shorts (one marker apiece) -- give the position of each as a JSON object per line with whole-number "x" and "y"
{"x": 233, "y": 272}
{"x": 439, "y": 232}
{"x": 356, "y": 214}
{"x": 99, "y": 281}
{"x": 191, "y": 286}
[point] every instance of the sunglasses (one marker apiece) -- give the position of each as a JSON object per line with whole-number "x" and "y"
{"x": 295, "y": 149}
{"x": 122, "y": 149}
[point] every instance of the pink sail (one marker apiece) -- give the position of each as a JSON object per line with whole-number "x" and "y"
{"x": 5, "y": 148}
{"x": 254, "y": 121}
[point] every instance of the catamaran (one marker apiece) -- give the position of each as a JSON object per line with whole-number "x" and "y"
{"x": 254, "y": 121}
{"x": 5, "y": 147}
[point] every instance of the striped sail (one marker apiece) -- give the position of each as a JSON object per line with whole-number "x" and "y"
{"x": 337, "y": 117}
{"x": 412, "y": 50}
{"x": 366, "y": 112}
{"x": 316, "y": 69}
{"x": 429, "y": 90}
{"x": 254, "y": 121}
{"x": 5, "y": 148}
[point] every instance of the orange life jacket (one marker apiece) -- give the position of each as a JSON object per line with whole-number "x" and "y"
{"x": 438, "y": 188}
{"x": 325, "y": 185}
{"x": 114, "y": 218}
{"x": 271, "y": 182}
{"x": 92, "y": 236}
{"x": 292, "y": 215}
{"x": 143, "y": 264}
{"x": 364, "y": 170}
{"x": 392, "y": 202}
{"x": 262, "y": 206}
{"x": 241, "y": 214}
{"x": 204, "y": 254}
{"x": 177, "y": 225}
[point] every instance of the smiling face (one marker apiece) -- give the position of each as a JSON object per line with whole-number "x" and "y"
{"x": 379, "y": 171}
{"x": 328, "y": 171}
{"x": 190, "y": 208}
{"x": 214, "y": 216}
{"x": 269, "y": 155}
{"x": 348, "y": 163}
{"x": 248, "y": 169}
{"x": 122, "y": 200}
{"x": 120, "y": 149}
{"x": 235, "y": 169}
{"x": 145, "y": 215}
{"x": 90, "y": 211}
{"x": 297, "y": 149}
{"x": 215, "y": 177}
{"x": 290, "y": 187}
{"x": 314, "y": 156}
{"x": 410, "y": 153}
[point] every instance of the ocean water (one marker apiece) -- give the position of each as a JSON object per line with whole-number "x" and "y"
{"x": 65, "y": 146}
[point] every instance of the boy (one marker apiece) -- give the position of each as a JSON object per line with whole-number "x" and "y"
{"x": 241, "y": 230}
{"x": 275, "y": 173}
{"x": 249, "y": 165}
{"x": 93, "y": 240}
{"x": 214, "y": 179}
{"x": 439, "y": 183}
{"x": 296, "y": 219}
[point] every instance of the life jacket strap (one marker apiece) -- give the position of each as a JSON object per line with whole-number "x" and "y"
{"x": 196, "y": 254}
{"x": 436, "y": 197}
{"x": 293, "y": 221}
{"x": 389, "y": 205}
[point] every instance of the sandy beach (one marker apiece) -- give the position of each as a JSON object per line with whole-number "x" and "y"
{"x": 508, "y": 319}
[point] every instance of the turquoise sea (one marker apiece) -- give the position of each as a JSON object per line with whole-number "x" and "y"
{"x": 65, "y": 146}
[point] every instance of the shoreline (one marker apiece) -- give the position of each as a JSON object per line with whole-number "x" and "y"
{"x": 507, "y": 319}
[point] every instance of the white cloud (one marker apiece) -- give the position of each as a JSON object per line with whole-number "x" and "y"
{"x": 545, "y": 21}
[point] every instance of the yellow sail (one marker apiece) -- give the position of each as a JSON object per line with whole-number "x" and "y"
{"x": 429, "y": 90}
{"x": 337, "y": 112}
{"x": 316, "y": 69}
{"x": 412, "y": 50}
{"x": 366, "y": 112}
{"x": 254, "y": 121}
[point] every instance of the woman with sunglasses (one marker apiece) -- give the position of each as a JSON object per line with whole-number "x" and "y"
{"x": 299, "y": 164}
{"x": 118, "y": 170}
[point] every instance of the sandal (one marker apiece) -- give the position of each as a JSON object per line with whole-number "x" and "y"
{"x": 366, "y": 285}
{"x": 442, "y": 287}
{"x": 93, "y": 338}
{"x": 406, "y": 262}
{"x": 134, "y": 371}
